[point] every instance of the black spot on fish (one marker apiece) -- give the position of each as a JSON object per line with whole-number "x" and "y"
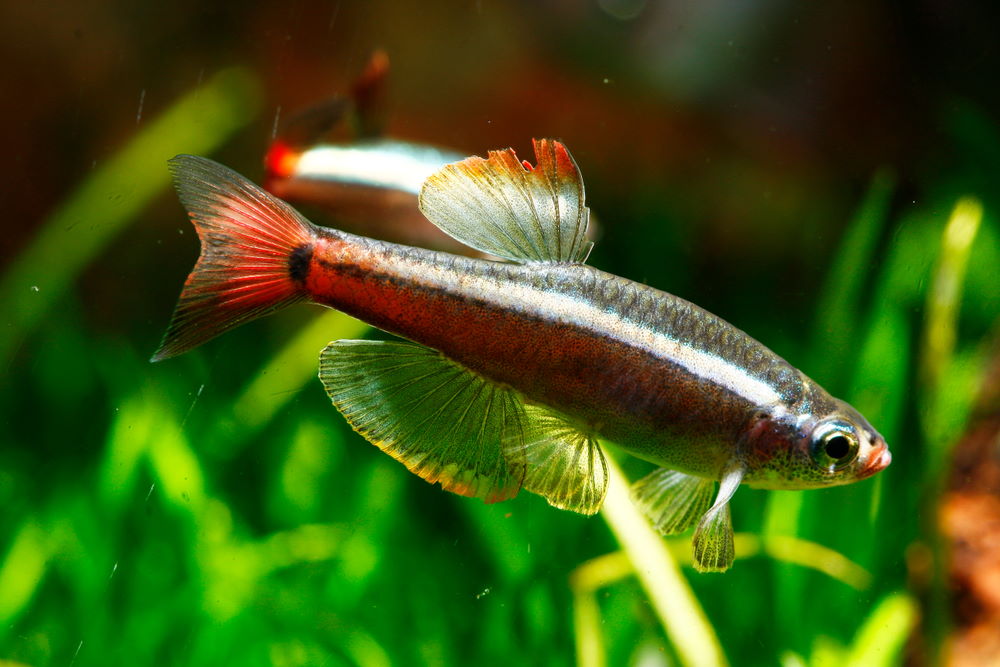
{"x": 298, "y": 262}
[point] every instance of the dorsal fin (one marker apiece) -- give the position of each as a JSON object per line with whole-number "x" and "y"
{"x": 510, "y": 209}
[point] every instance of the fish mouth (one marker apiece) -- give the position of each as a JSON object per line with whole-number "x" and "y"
{"x": 878, "y": 460}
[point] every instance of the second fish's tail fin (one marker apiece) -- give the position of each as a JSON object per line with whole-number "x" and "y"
{"x": 255, "y": 251}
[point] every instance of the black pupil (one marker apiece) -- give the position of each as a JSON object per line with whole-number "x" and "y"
{"x": 838, "y": 447}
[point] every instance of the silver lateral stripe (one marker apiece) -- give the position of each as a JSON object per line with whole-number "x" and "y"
{"x": 705, "y": 365}
{"x": 384, "y": 164}
{"x": 574, "y": 310}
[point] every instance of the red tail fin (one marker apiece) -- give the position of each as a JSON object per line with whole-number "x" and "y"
{"x": 252, "y": 250}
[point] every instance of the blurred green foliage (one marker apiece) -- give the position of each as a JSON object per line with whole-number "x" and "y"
{"x": 216, "y": 510}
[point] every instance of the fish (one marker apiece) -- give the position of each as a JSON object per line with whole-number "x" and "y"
{"x": 334, "y": 156}
{"x": 507, "y": 373}
{"x": 367, "y": 186}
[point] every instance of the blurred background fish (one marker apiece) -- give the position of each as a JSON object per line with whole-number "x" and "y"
{"x": 363, "y": 183}
{"x": 333, "y": 159}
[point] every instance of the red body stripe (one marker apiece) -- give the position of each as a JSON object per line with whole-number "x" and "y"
{"x": 614, "y": 387}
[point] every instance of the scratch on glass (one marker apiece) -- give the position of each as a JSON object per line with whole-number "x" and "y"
{"x": 190, "y": 409}
{"x": 274, "y": 128}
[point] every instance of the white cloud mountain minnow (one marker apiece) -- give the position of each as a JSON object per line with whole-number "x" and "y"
{"x": 364, "y": 182}
{"x": 367, "y": 186}
{"x": 333, "y": 156}
{"x": 516, "y": 368}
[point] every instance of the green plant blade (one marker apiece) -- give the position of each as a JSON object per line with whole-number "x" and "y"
{"x": 114, "y": 195}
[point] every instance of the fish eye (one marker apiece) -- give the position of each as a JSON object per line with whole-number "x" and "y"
{"x": 835, "y": 446}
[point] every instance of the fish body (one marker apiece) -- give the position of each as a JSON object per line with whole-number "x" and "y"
{"x": 368, "y": 186}
{"x": 664, "y": 379}
{"x": 516, "y": 367}
{"x": 333, "y": 157}
{"x": 385, "y": 164}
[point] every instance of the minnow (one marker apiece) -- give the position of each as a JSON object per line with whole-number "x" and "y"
{"x": 333, "y": 157}
{"x": 368, "y": 186}
{"x": 511, "y": 370}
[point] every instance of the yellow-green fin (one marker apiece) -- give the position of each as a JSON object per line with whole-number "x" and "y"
{"x": 671, "y": 500}
{"x": 713, "y": 538}
{"x": 506, "y": 207}
{"x": 443, "y": 422}
{"x": 562, "y": 464}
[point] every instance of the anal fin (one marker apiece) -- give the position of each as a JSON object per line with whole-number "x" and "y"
{"x": 671, "y": 500}
{"x": 563, "y": 464}
{"x": 443, "y": 422}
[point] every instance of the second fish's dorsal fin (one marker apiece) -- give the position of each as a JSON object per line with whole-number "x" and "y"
{"x": 562, "y": 463}
{"x": 508, "y": 208}
{"x": 443, "y": 422}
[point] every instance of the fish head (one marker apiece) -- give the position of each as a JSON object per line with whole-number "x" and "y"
{"x": 830, "y": 446}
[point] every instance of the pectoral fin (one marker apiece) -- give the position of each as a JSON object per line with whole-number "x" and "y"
{"x": 508, "y": 208}
{"x": 562, "y": 463}
{"x": 713, "y": 538}
{"x": 671, "y": 500}
{"x": 443, "y": 422}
